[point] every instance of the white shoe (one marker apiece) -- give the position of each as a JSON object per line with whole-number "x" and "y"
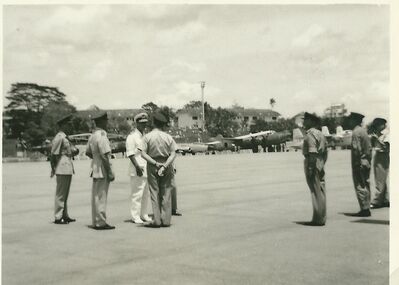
{"x": 146, "y": 218}
{"x": 137, "y": 221}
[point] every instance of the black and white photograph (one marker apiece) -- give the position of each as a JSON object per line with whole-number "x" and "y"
{"x": 198, "y": 143}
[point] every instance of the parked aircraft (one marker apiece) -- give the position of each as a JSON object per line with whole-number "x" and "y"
{"x": 342, "y": 138}
{"x": 252, "y": 141}
{"x": 297, "y": 140}
{"x": 117, "y": 143}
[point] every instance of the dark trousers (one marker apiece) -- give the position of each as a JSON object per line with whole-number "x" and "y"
{"x": 361, "y": 181}
{"x": 61, "y": 196}
{"x": 160, "y": 191}
{"x": 174, "y": 194}
{"x": 317, "y": 188}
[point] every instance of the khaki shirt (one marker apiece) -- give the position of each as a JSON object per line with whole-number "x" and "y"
{"x": 158, "y": 144}
{"x": 361, "y": 145}
{"x": 315, "y": 142}
{"x": 133, "y": 142}
{"x": 61, "y": 146}
{"x": 98, "y": 144}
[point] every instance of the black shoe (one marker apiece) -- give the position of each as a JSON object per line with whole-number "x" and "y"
{"x": 69, "y": 220}
{"x": 61, "y": 222}
{"x": 176, "y": 213}
{"x": 152, "y": 225}
{"x": 362, "y": 213}
{"x": 104, "y": 227}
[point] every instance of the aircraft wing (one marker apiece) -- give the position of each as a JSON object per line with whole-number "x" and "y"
{"x": 262, "y": 133}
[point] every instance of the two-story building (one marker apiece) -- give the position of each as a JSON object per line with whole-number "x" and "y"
{"x": 335, "y": 111}
{"x": 189, "y": 118}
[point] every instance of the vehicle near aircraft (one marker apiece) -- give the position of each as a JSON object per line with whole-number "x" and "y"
{"x": 192, "y": 148}
{"x": 342, "y": 138}
{"x": 297, "y": 140}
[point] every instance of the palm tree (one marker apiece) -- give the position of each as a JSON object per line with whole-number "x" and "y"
{"x": 272, "y": 102}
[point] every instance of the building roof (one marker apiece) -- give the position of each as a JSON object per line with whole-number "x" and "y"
{"x": 256, "y": 112}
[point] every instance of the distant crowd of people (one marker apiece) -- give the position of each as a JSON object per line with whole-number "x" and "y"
{"x": 152, "y": 172}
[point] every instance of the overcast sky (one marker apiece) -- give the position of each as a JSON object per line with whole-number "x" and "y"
{"x": 121, "y": 56}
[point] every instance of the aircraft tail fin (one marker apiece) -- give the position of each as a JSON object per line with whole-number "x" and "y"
{"x": 325, "y": 131}
{"x": 339, "y": 131}
{"x": 297, "y": 134}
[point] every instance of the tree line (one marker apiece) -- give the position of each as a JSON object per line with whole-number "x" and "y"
{"x": 33, "y": 110}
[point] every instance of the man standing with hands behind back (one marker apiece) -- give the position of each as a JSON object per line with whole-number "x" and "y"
{"x": 99, "y": 150}
{"x": 140, "y": 196}
{"x": 159, "y": 150}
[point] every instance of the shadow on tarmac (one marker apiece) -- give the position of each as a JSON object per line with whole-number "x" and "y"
{"x": 310, "y": 224}
{"x": 368, "y": 221}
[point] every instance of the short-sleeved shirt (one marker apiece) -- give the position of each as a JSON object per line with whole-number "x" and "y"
{"x": 314, "y": 142}
{"x": 61, "y": 146}
{"x": 133, "y": 142}
{"x": 158, "y": 144}
{"x": 97, "y": 145}
{"x": 361, "y": 144}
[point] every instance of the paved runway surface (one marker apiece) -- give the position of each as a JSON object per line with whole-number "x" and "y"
{"x": 238, "y": 227}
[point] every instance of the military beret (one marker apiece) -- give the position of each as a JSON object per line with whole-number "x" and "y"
{"x": 355, "y": 117}
{"x": 99, "y": 116}
{"x": 379, "y": 122}
{"x": 141, "y": 118}
{"x": 311, "y": 117}
{"x": 160, "y": 117}
{"x": 64, "y": 119}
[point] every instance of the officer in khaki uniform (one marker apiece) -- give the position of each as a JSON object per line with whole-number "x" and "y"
{"x": 315, "y": 152}
{"x": 99, "y": 150}
{"x": 62, "y": 152}
{"x": 159, "y": 150}
{"x": 361, "y": 157}
{"x": 380, "y": 143}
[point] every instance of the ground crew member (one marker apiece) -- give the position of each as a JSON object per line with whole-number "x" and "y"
{"x": 175, "y": 211}
{"x": 380, "y": 143}
{"x": 99, "y": 150}
{"x": 315, "y": 153}
{"x": 159, "y": 150}
{"x": 62, "y": 152}
{"x": 361, "y": 157}
{"x": 140, "y": 195}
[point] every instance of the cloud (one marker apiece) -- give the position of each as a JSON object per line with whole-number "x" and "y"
{"x": 78, "y": 25}
{"x": 100, "y": 70}
{"x": 306, "y": 38}
{"x": 178, "y": 68}
{"x": 181, "y": 34}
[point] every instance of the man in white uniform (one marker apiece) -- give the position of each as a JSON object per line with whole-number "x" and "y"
{"x": 140, "y": 195}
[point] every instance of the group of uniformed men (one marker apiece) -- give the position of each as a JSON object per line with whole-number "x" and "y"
{"x": 151, "y": 171}
{"x": 315, "y": 153}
